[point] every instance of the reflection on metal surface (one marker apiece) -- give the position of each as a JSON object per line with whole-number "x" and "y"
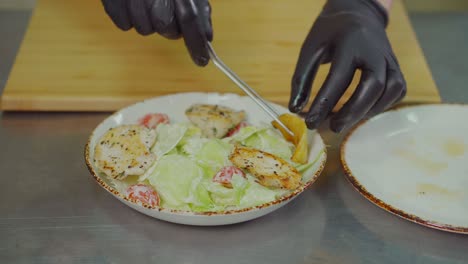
{"x": 285, "y": 236}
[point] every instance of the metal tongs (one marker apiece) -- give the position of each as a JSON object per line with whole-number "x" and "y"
{"x": 246, "y": 88}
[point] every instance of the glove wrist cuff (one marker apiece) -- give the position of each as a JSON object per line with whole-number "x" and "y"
{"x": 366, "y": 8}
{"x": 380, "y": 9}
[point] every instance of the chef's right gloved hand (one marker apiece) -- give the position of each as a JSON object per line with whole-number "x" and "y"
{"x": 190, "y": 19}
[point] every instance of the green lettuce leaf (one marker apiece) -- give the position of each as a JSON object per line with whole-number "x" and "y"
{"x": 178, "y": 180}
{"x": 212, "y": 155}
{"x": 192, "y": 132}
{"x": 271, "y": 142}
{"x": 245, "y": 133}
{"x": 227, "y": 197}
{"x": 199, "y": 198}
{"x": 304, "y": 168}
{"x": 244, "y": 193}
{"x": 263, "y": 138}
{"x": 168, "y": 136}
{"x": 256, "y": 194}
{"x": 192, "y": 146}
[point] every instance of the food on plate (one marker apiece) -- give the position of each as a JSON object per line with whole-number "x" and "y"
{"x": 152, "y": 120}
{"x": 299, "y": 129}
{"x": 224, "y": 176}
{"x": 143, "y": 193}
{"x": 236, "y": 129}
{"x": 213, "y": 161}
{"x": 270, "y": 171}
{"x": 125, "y": 150}
{"x": 214, "y": 120}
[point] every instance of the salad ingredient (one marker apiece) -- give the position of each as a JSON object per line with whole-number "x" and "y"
{"x": 245, "y": 133}
{"x": 143, "y": 193}
{"x": 168, "y": 137}
{"x": 264, "y": 139}
{"x": 152, "y": 120}
{"x": 227, "y": 197}
{"x": 245, "y": 192}
{"x": 124, "y": 151}
{"x": 256, "y": 194}
{"x": 212, "y": 155}
{"x": 224, "y": 176}
{"x": 299, "y": 129}
{"x": 178, "y": 180}
{"x": 236, "y": 129}
{"x": 215, "y": 121}
{"x": 191, "y": 133}
{"x": 270, "y": 141}
{"x": 270, "y": 171}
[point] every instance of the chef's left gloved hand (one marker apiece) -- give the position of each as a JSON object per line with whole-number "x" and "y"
{"x": 351, "y": 35}
{"x": 190, "y": 19}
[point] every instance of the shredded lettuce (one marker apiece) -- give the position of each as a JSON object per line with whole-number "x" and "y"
{"x": 227, "y": 197}
{"x": 192, "y": 132}
{"x": 168, "y": 136}
{"x": 265, "y": 139}
{"x": 199, "y": 198}
{"x": 257, "y": 194}
{"x": 245, "y": 133}
{"x": 193, "y": 146}
{"x": 269, "y": 141}
{"x": 187, "y": 162}
{"x": 212, "y": 155}
{"x": 177, "y": 179}
{"x": 304, "y": 168}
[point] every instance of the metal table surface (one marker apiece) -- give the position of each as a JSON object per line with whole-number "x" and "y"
{"x": 51, "y": 211}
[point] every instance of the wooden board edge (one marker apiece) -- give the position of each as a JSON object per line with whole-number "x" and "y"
{"x": 106, "y": 104}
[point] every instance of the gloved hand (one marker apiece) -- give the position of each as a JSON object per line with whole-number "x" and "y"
{"x": 351, "y": 35}
{"x": 172, "y": 19}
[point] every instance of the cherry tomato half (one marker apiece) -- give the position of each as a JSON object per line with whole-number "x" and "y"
{"x": 152, "y": 120}
{"x": 143, "y": 193}
{"x": 236, "y": 129}
{"x": 224, "y": 176}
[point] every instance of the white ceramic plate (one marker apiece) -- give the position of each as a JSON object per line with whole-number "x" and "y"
{"x": 175, "y": 106}
{"x": 413, "y": 162}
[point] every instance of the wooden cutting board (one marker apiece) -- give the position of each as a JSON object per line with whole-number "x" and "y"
{"x": 74, "y": 59}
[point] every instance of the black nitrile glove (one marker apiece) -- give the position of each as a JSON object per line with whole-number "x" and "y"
{"x": 172, "y": 19}
{"x": 351, "y": 35}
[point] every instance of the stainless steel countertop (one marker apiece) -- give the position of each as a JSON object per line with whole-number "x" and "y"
{"x": 51, "y": 211}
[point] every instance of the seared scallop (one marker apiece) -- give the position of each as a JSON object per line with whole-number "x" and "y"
{"x": 270, "y": 171}
{"x": 125, "y": 150}
{"x": 215, "y": 121}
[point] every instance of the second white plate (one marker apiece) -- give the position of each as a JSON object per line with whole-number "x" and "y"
{"x": 413, "y": 162}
